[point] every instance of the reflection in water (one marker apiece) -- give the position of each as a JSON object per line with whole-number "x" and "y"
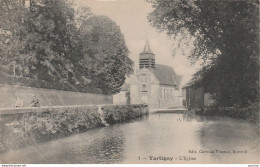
{"x": 187, "y": 116}
{"x": 165, "y": 134}
{"x": 106, "y": 147}
{"x": 236, "y": 139}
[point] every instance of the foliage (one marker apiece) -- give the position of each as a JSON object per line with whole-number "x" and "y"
{"x": 13, "y": 17}
{"x": 227, "y": 39}
{"x": 105, "y": 53}
{"x": 43, "y": 45}
{"x": 38, "y": 83}
{"x": 250, "y": 112}
{"x": 40, "y": 124}
{"x": 51, "y": 22}
{"x": 45, "y": 41}
{"x": 120, "y": 113}
{"x": 45, "y": 124}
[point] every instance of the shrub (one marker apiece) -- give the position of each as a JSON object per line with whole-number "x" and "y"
{"x": 37, "y": 83}
{"x": 120, "y": 113}
{"x": 42, "y": 124}
{"x": 250, "y": 113}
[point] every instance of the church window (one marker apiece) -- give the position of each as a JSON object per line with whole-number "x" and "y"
{"x": 143, "y": 78}
{"x": 144, "y": 86}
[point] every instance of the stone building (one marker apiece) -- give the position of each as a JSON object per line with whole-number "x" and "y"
{"x": 154, "y": 84}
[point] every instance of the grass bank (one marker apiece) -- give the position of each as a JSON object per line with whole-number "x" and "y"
{"x": 30, "y": 128}
{"x": 120, "y": 113}
{"x": 250, "y": 113}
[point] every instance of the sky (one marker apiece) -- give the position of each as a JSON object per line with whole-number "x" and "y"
{"x": 131, "y": 16}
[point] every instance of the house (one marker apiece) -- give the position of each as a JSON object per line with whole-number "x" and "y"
{"x": 194, "y": 97}
{"x": 155, "y": 84}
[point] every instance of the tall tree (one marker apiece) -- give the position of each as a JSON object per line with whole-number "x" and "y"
{"x": 47, "y": 41}
{"x": 226, "y": 38}
{"x": 43, "y": 40}
{"x": 13, "y": 16}
{"x": 105, "y": 53}
{"x": 52, "y": 25}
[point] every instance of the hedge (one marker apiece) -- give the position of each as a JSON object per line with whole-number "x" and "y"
{"x": 120, "y": 113}
{"x": 43, "y": 124}
{"x": 251, "y": 113}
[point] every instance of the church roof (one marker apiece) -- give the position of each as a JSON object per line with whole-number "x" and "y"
{"x": 166, "y": 75}
{"x": 177, "y": 80}
{"x": 147, "y": 49}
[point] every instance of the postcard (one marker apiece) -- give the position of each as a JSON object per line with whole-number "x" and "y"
{"x": 129, "y": 82}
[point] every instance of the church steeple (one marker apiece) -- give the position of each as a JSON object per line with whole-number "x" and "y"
{"x": 147, "y": 48}
{"x": 146, "y": 58}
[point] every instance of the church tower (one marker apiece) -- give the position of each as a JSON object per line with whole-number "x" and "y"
{"x": 146, "y": 58}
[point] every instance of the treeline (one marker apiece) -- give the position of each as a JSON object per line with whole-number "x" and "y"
{"x": 226, "y": 38}
{"x": 51, "y": 42}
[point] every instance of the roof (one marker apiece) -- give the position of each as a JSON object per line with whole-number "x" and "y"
{"x": 166, "y": 75}
{"x": 125, "y": 87}
{"x": 147, "y": 49}
{"x": 177, "y": 80}
{"x": 146, "y": 56}
{"x": 191, "y": 82}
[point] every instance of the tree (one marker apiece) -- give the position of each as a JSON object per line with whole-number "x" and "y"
{"x": 52, "y": 27}
{"x": 226, "y": 38}
{"x": 106, "y": 58}
{"x": 43, "y": 39}
{"x": 47, "y": 42}
{"x": 13, "y": 15}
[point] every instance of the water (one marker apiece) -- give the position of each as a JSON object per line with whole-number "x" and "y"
{"x": 159, "y": 138}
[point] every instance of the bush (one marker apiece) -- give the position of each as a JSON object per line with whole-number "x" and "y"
{"x": 43, "y": 124}
{"x": 120, "y": 113}
{"x": 250, "y": 113}
{"x": 37, "y": 83}
{"x": 60, "y": 121}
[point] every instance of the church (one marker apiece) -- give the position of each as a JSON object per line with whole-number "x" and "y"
{"x": 153, "y": 84}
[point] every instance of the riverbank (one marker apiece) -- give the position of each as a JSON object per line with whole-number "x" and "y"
{"x": 168, "y": 110}
{"x": 35, "y": 125}
{"x": 250, "y": 113}
{"x": 165, "y": 134}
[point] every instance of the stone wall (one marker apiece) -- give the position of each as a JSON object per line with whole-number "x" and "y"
{"x": 120, "y": 98}
{"x": 49, "y": 97}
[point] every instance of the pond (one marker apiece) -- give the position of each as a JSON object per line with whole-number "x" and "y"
{"x": 157, "y": 138}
